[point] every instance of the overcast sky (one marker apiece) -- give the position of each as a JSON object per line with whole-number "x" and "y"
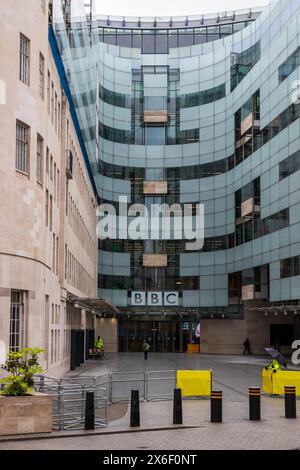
{"x": 171, "y": 7}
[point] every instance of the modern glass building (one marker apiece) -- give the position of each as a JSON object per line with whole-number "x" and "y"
{"x": 187, "y": 111}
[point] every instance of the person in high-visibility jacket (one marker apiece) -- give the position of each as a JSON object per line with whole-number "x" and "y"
{"x": 274, "y": 366}
{"x": 99, "y": 344}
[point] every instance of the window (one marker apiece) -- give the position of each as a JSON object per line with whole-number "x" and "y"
{"x": 57, "y": 255}
{"x": 66, "y": 261}
{"x": 55, "y": 113}
{"x": 292, "y": 62}
{"x": 40, "y": 160}
{"x": 59, "y": 120}
{"x": 47, "y": 161}
{"x": 52, "y": 346}
{"x": 24, "y": 73}
{"x": 17, "y": 321}
{"x": 51, "y": 214}
{"x": 51, "y": 168}
{"x": 48, "y": 92}
{"x": 114, "y": 98}
{"x": 290, "y": 267}
{"x": 53, "y": 252}
{"x": 47, "y": 208}
{"x": 42, "y": 76}
{"x": 203, "y": 97}
{"x": 290, "y": 165}
{"x": 54, "y": 182}
{"x": 22, "y": 147}
{"x": 52, "y": 102}
{"x": 57, "y": 190}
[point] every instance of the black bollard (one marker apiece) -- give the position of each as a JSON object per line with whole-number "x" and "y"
{"x": 254, "y": 404}
{"x": 135, "y": 409}
{"x": 177, "y": 406}
{"x": 290, "y": 401}
{"x": 89, "y": 411}
{"x": 216, "y": 407}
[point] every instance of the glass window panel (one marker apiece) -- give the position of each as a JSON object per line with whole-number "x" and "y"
{"x": 137, "y": 39}
{"x": 161, "y": 42}
{"x": 148, "y": 42}
{"x": 173, "y": 38}
{"x": 185, "y": 37}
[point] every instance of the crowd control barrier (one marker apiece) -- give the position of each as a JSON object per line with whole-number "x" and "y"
{"x": 194, "y": 383}
{"x": 273, "y": 383}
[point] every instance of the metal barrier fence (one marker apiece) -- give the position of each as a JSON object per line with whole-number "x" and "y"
{"x": 117, "y": 386}
{"x": 69, "y": 401}
{"x": 69, "y": 393}
{"x": 160, "y": 384}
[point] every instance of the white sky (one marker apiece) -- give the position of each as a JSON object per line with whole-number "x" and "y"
{"x": 171, "y": 7}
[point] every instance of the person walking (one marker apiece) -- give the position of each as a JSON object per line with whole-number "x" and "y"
{"x": 146, "y": 348}
{"x": 247, "y": 349}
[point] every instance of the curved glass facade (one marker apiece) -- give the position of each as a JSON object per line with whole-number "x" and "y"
{"x": 203, "y": 112}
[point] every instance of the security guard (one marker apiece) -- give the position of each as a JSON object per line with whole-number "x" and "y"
{"x": 99, "y": 345}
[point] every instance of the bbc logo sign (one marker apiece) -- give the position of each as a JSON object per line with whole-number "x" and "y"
{"x": 167, "y": 299}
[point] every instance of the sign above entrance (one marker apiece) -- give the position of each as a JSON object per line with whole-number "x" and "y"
{"x": 167, "y": 299}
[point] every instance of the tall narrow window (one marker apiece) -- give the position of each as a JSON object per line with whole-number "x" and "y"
{"x": 52, "y": 103}
{"x": 51, "y": 168}
{"x": 17, "y": 321}
{"x": 53, "y": 253}
{"x": 52, "y": 346}
{"x": 66, "y": 261}
{"x": 47, "y": 208}
{"x": 55, "y": 113}
{"x": 54, "y": 182}
{"x": 47, "y": 161}
{"x": 57, "y": 255}
{"x": 42, "y": 76}
{"x": 48, "y": 92}
{"x": 22, "y": 147}
{"x": 57, "y": 190}
{"x": 51, "y": 214}
{"x": 40, "y": 160}
{"x": 24, "y": 73}
{"x": 59, "y": 120}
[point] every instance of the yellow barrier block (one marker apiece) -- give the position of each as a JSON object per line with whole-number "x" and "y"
{"x": 193, "y": 348}
{"x": 194, "y": 383}
{"x": 273, "y": 383}
{"x": 267, "y": 382}
{"x": 285, "y": 377}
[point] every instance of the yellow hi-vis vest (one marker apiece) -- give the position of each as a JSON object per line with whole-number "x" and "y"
{"x": 274, "y": 365}
{"x": 99, "y": 344}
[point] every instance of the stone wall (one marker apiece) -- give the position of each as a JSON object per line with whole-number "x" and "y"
{"x": 25, "y": 415}
{"x": 108, "y": 330}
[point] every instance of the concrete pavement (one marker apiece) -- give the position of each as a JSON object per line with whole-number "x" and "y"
{"x": 232, "y": 374}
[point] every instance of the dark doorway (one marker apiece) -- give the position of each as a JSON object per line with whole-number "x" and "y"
{"x": 77, "y": 348}
{"x": 282, "y": 333}
{"x": 89, "y": 341}
{"x": 163, "y": 336}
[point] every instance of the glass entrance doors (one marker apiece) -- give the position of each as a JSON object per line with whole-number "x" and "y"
{"x": 163, "y": 336}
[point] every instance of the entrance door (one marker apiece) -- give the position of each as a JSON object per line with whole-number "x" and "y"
{"x": 175, "y": 334}
{"x": 162, "y": 336}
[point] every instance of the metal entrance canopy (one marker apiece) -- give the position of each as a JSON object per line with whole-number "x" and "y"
{"x": 99, "y": 306}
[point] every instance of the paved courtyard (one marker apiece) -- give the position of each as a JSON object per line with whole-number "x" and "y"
{"x": 231, "y": 374}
